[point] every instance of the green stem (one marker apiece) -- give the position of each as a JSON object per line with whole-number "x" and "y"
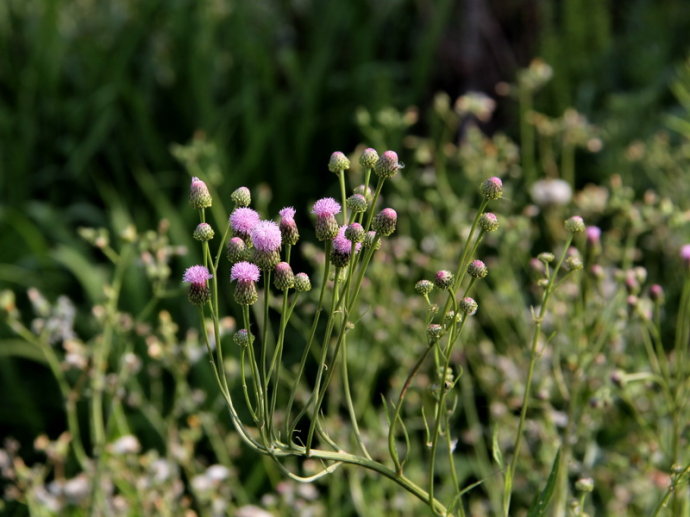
{"x": 507, "y": 487}
{"x": 396, "y": 415}
{"x": 322, "y": 362}
{"x": 289, "y": 425}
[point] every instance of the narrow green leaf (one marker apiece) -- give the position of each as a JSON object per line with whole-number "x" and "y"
{"x": 496, "y": 449}
{"x": 21, "y": 348}
{"x": 538, "y": 508}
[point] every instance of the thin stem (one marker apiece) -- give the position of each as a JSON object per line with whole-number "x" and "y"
{"x": 289, "y": 426}
{"x": 322, "y": 362}
{"x": 396, "y": 415}
{"x": 507, "y": 487}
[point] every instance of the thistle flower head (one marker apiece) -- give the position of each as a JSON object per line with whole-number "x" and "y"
{"x": 245, "y": 272}
{"x": 424, "y": 287}
{"x": 364, "y": 191}
{"x": 199, "y": 196}
{"x": 368, "y": 158}
{"x": 387, "y": 165}
{"x": 266, "y": 237}
{"x": 492, "y": 188}
{"x": 593, "y": 234}
{"x": 357, "y": 203}
{"x": 287, "y": 214}
{"x": 284, "y": 278}
{"x": 338, "y": 162}
{"x": 302, "y": 283}
{"x": 575, "y": 224}
{"x": 656, "y": 293}
{"x": 372, "y": 239}
{"x": 477, "y": 269}
{"x": 342, "y": 244}
{"x": 288, "y": 227}
{"x": 236, "y": 250}
{"x": 242, "y": 197}
{"x": 326, "y": 207}
{"x": 385, "y": 221}
{"x": 355, "y": 233}
{"x": 203, "y": 232}
{"x": 434, "y": 332}
{"x": 242, "y": 338}
{"x": 443, "y": 279}
{"x": 468, "y": 306}
{"x": 325, "y": 225}
{"x": 488, "y": 222}
{"x": 243, "y": 220}
{"x": 196, "y": 275}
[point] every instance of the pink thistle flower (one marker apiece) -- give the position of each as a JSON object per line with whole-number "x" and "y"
{"x": 593, "y": 234}
{"x": 246, "y": 275}
{"x": 685, "y": 253}
{"x": 325, "y": 210}
{"x": 243, "y": 220}
{"x": 326, "y": 207}
{"x": 342, "y": 244}
{"x": 266, "y": 237}
{"x": 245, "y": 272}
{"x": 199, "y": 195}
{"x": 287, "y": 214}
{"x": 197, "y": 275}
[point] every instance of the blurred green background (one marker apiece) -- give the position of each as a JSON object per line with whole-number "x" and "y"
{"x": 95, "y": 94}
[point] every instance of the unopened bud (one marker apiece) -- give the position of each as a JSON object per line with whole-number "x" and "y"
{"x": 488, "y": 222}
{"x": 302, "y": 283}
{"x": 242, "y": 197}
{"x": 492, "y": 188}
{"x": 424, "y": 287}
{"x": 385, "y": 221}
{"x": 199, "y": 196}
{"x": 387, "y": 165}
{"x": 477, "y": 269}
{"x": 468, "y": 306}
{"x": 203, "y": 232}
{"x": 575, "y": 224}
{"x": 443, "y": 279}
{"x": 368, "y": 158}
{"x": 338, "y": 162}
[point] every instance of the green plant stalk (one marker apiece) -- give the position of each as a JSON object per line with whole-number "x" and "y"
{"x": 245, "y": 387}
{"x": 508, "y": 481}
{"x": 256, "y": 376}
{"x": 276, "y": 361}
{"x": 289, "y": 424}
{"x": 467, "y": 252}
{"x": 398, "y": 407}
{"x": 681, "y": 350}
{"x": 264, "y": 344}
{"x": 343, "y": 195}
{"x": 350, "y": 405}
{"x": 372, "y": 209}
{"x": 322, "y": 362}
{"x": 234, "y": 417}
{"x": 441, "y": 404}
